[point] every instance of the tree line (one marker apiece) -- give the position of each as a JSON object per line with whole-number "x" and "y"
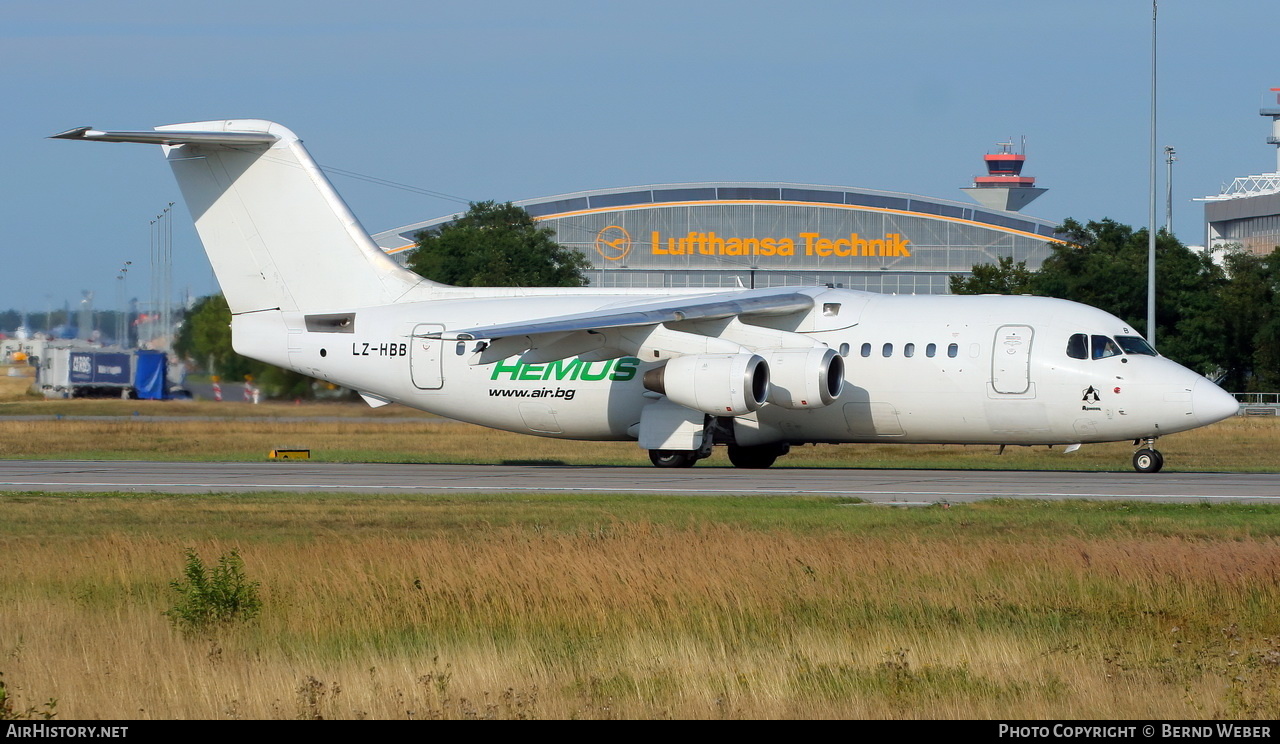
{"x": 1222, "y": 321}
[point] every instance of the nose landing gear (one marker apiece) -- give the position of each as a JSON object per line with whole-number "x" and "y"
{"x": 1148, "y": 459}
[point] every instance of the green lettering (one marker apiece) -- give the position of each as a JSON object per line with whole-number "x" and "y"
{"x": 508, "y": 369}
{"x": 625, "y": 369}
{"x": 530, "y": 372}
{"x": 587, "y": 374}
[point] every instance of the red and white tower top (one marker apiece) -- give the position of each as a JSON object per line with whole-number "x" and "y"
{"x": 1004, "y": 187}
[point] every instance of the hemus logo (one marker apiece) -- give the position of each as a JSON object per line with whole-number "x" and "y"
{"x": 616, "y": 370}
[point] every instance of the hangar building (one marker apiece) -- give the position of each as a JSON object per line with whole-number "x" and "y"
{"x": 774, "y": 234}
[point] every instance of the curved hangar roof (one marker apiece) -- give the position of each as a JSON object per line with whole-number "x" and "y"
{"x": 770, "y": 234}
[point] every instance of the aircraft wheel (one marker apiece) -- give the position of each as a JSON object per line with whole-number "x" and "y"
{"x": 754, "y": 457}
{"x": 673, "y": 458}
{"x": 1148, "y": 461}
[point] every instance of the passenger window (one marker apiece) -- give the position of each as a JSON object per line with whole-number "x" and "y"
{"x": 866, "y": 350}
{"x": 1104, "y": 347}
{"x": 952, "y": 350}
{"x": 1135, "y": 345}
{"x": 909, "y": 350}
{"x": 1078, "y": 346}
{"x": 930, "y": 350}
{"x": 887, "y": 350}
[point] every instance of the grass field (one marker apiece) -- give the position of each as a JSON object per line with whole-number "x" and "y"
{"x": 624, "y": 607}
{"x": 353, "y": 432}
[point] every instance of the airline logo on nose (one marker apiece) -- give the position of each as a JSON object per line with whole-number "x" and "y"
{"x": 1091, "y": 395}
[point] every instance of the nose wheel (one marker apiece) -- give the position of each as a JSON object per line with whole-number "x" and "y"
{"x": 1148, "y": 459}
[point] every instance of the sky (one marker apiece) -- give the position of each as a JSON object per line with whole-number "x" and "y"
{"x": 511, "y": 100}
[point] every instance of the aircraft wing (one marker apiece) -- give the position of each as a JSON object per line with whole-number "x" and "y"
{"x": 637, "y": 328}
{"x": 668, "y": 310}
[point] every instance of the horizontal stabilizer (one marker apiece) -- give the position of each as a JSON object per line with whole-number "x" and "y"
{"x": 227, "y": 139}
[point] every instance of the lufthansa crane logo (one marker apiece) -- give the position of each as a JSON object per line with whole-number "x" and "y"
{"x": 613, "y": 243}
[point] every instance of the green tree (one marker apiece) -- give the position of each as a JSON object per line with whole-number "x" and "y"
{"x": 1104, "y": 264}
{"x": 10, "y": 320}
{"x": 1006, "y": 277}
{"x": 1249, "y": 305}
{"x": 496, "y": 245}
{"x": 205, "y": 338}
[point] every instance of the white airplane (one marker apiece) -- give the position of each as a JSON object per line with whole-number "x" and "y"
{"x": 677, "y": 371}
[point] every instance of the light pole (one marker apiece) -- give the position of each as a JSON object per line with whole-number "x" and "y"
{"x": 122, "y": 320}
{"x": 1169, "y": 157}
{"x": 161, "y": 271}
{"x": 150, "y": 324}
{"x": 168, "y": 278}
{"x": 1151, "y": 214}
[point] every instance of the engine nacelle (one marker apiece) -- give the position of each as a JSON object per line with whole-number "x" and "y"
{"x": 718, "y": 384}
{"x": 804, "y": 378}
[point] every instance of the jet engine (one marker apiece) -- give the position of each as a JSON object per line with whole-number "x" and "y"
{"x": 804, "y": 378}
{"x": 718, "y": 384}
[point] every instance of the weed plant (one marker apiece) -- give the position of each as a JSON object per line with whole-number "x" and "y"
{"x": 209, "y": 599}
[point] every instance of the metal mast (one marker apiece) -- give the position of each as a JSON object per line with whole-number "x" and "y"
{"x": 1151, "y": 214}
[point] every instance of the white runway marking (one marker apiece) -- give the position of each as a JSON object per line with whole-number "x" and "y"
{"x": 937, "y": 495}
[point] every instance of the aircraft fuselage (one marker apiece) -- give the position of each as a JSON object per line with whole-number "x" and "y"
{"x": 918, "y": 369}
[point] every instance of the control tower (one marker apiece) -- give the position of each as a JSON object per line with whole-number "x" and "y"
{"x": 1004, "y": 187}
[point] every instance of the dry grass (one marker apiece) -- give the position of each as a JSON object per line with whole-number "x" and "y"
{"x": 342, "y": 432}
{"x": 389, "y": 608}
{"x": 233, "y": 408}
{"x": 424, "y": 440}
{"x": 616, "y": 607}
{"x": 15, "y": 387}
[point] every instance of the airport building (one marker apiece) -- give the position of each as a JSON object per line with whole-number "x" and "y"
{"x": 781, "y": 234}
{"x": 1247, "y": 213}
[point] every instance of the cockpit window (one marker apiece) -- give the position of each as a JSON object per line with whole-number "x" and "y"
{"x": 1104, "y": 347}
{"x": 1078, "y": 346}
{"x": 1135, "y": 345}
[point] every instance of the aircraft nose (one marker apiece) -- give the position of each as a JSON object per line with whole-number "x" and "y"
{"x": 1210, "y": 403}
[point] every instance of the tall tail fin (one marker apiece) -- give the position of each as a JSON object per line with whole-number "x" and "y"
{"x": 277, "y": 233}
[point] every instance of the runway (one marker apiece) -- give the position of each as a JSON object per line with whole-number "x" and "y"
{"x": 893, "y": 487}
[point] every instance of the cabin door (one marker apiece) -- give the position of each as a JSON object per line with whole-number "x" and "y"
{"x": 1011, "y": 360}
{"x": 426, "y": 358}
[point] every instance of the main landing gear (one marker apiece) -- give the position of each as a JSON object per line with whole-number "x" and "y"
{"x": 761, "y": 456}
{"x": 673, "y": 458}
{"x": 758, "y": 457}
{"x": 1148, "y": 459}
